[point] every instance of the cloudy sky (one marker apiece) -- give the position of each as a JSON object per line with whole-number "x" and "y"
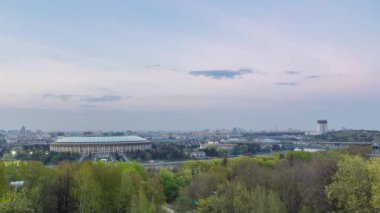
{"x": 179, "y": 65}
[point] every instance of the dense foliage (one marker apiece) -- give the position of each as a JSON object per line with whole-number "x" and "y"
{"x": 251, "y": 148}
{"x": 349, "y": 136}
{"x": 213, "y": 151}
{"x": 161, "y": 151}
{"x": 87, "y": 187}
{"x": 39, "y": 153}
{"x": 335, "y": 181}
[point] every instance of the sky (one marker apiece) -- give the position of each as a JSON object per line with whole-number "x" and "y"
{"x": 188, "y": 65}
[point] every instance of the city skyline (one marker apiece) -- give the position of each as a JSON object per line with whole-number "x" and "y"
{"x": 181, "y": 65}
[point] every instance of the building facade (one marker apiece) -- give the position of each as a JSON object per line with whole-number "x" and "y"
{"x": 198, "y": 155}
{"x": 27, "y": 137}
{"x": 28, "y": 140}
{"x": 100, "y": 145}
{"x": 322, "y": 126}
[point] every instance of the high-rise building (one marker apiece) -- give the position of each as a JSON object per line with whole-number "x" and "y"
{"x": 322, "y": 126}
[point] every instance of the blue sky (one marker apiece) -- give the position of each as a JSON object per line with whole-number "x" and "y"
{"x": 93, "y": 65}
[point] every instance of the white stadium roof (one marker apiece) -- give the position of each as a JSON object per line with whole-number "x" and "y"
{"x": 105, "y": 139}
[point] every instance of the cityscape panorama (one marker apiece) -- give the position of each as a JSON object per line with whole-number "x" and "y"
{"x": 189, "y": 106}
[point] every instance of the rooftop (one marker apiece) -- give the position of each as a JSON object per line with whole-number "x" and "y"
{"x": 105, "y": 139}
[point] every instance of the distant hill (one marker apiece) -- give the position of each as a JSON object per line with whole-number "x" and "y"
{"x": 349, "y": 136}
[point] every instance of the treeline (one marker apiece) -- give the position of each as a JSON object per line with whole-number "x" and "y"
{"x": 240, "y": 149}
{"x": 36, "y": 153}
{"x": 87, "y": 187}
{"x": 295, "y": 182}
{"x": 161, "y": 151}
{"x": 349, "y": 136}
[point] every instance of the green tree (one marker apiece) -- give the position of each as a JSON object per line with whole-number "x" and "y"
{"x": 172, "y": 184}
{"x": 237, "y": 198}
{"x": 108, "y": 178}
{"x": 87, "y": 191}
{"x": 350, "y": 190}
{"x": 195, "y": 167}
{"x": 184, "y": 203}
{"x": 206, "y": 183}
{"x": 375, "y": 187}
{"x": 38, "y": 179}
{"x": 286, "y": 184}
{"x": 140, "y": 203}
{"x": 258, "y": 200}
{"x": 209, "y": 205}
{"x": 15, "y": 201}
{"x": 65, "y": 202}
{"x": 3, "y": 180}
{"x": 41, "y": 193}
{"x": 154, "y": 191}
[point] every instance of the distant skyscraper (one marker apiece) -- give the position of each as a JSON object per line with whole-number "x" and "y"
{"x": 322, "y": 126}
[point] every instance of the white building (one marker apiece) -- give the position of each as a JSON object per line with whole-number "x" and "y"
{"x": 27, "y": 137}
{"x": 322, "y": 126}
{"x": 100, "y": 145}
{"x": 198, "y": 155}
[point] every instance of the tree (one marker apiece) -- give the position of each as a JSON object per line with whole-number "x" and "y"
{"x": 108, "y": 179}
{"x": 140, "y": 204}
{"x": 312, "y": 178}
{"x": 237, "y": 198}
{"x": 172, "y": 184}
{"x": 213, "y": 151}
{"x": 375, "y": 187}
{"x": 250, "y": 174}
{"x": 3, "y": 180}
{"x": 209, "y": 205}
{"x": 87, "y": 191}
{"x": 41, "y": 192}
{"x": 256, "y": 200}
{"x": 194, "y": 167}
{"x": 38, "y": 180}
{"x": 286, "y": 184}
{"x": 62, "y": 191}
{"x": 184, "y": 203}
{"x": 362, "y": 151}
{"x": 206, "y": 183}
{"x": 15, "y": 201}
{"x": 350, "y": 190}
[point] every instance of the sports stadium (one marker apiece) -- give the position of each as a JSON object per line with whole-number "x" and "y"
{"x": 100, "y": 145}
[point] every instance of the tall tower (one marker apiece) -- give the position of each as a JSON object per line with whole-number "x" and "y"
{"x": 322, "y": 126}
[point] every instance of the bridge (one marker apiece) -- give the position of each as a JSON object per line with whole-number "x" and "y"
{"x": 328, "y": 145}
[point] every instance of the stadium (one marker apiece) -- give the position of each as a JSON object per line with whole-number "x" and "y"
{"x": 100, "y": 146}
